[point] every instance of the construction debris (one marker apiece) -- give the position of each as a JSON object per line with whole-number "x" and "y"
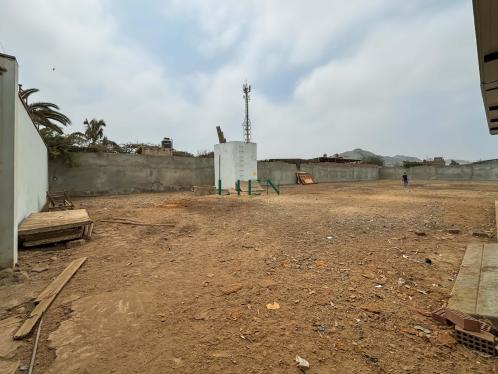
{"x": 58, "y": 201}
{"x": 35, "y": 348}
{"x": 302, "y": 363}
{"x": 304, "y": 178}
{"x": 45, "y": 299}
{"x": 125, "y": 221}
{"x": 480, "y": 341}
{"x": 469, "y": 331}
{"x": 55, "y": 227}
{"x": 221, "y": 137}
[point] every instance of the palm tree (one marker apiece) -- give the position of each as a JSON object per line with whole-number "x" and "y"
{"x": 94, "y": 130}
{"x": 44, "y": 114}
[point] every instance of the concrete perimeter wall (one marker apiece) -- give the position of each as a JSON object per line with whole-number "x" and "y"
{"x": 23, "y": 163}
{"x": 330, "y": 172}
{"x": 477, "y": 172}
{"x": 115, "y": 173}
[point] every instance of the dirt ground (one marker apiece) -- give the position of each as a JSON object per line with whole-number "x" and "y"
{"x": 346, "y": 264}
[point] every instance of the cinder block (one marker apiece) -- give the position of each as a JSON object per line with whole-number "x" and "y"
{"x": 479, "y": 341}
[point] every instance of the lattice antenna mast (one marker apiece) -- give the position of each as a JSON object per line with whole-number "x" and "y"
{"x": 246, "y": 125}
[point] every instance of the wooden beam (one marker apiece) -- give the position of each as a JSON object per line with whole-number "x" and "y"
{"x": 47, "y": 297}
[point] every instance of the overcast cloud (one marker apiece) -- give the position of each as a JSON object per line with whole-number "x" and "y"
{"x": 390, "y": 76}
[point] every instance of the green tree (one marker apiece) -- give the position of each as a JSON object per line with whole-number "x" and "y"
{"x": 94, "y": 131}
{"x": 44, "y": 115}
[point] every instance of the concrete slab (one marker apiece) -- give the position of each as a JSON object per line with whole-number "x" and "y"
{"x": 475, "y": 289}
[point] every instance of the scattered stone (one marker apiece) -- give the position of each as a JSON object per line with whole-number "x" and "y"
{"x": 454, "y": 231}
{"x": 480, "y": 234}
{"x": 273, "y": 306}
{"x": 368, "y": 275}
{"x": 446, "y": 339}
{"x": 420, "y": 233}
{"x": 372, "y": 308}
{"x": 201, "y": 316}
{"x": 302, "y": 363}
{"x": 423, "y": 329}
{"x": 40, "y": 268}
{"x": 75, "y": 243}
{"x": 231, "y": 289}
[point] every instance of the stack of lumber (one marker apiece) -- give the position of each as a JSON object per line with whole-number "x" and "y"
{"x": 304, "y": 178}
{"x": 55, "y": 227}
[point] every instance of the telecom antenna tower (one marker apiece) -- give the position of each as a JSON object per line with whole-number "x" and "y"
{"x": 246, "y": 125}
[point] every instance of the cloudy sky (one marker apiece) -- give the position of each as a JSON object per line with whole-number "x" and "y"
{"x": 389, "y": 76}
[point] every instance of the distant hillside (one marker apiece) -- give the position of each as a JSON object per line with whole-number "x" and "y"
{"x": 360, "y": 154}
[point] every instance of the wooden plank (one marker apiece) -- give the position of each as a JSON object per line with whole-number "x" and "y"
{"x": 487, "y": 298}
{"x": 464, "y": 294}
{"x": 47, "y": 297}
{"x": 49, "y": 221}
{"x": 55, "y": 239}
{"x": 35, "y": 348}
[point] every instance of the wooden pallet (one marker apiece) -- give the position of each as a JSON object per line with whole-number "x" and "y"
{"x": 58, "y": 201}
{"x": 304, "y": 178}
{"x": 53, "y": 227}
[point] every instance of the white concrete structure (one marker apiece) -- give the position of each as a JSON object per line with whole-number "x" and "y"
{"x": 23, "y": 162}
{"x": 235, "y": 161}
{"x": 486, "y": 22}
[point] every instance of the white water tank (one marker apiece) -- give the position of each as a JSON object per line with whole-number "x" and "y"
{"x": 235, "y": 161}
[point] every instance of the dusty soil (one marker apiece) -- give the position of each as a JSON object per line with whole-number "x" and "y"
{"x": 342, "y": 261}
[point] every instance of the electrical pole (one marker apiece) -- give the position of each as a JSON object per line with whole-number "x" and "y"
{"x": 246, "y": 125}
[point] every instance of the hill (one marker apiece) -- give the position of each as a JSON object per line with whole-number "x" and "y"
{"x": 360, "y": 154}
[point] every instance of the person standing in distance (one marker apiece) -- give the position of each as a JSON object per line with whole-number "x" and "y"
{"x": 405, "y": 180}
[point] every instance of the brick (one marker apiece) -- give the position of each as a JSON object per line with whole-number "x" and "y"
{"x": 463, "y": 320}
{"x": 439, "y": 315}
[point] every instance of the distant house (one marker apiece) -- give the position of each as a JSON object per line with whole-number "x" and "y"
{"x": 437, "y": 161}
{"x": 154, "y": 151}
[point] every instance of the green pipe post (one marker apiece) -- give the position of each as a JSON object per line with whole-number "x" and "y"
{"x": 219, "y": 186}
{"x": 238, "y": 187}
{"x": 249, "y": 190}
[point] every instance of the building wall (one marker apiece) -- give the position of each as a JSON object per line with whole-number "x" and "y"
{"x": 23, "y": 163}
{"x": 31, "y": 166}
{"x": 477, "y": 172}
{"x": 114, "y": 173}
{"x": 8, "y": 233}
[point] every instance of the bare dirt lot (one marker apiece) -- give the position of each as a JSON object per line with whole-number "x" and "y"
{"x": 346, "y": 264}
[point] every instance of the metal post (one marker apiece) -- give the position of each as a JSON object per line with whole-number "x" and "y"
{"x": 249, "y": 187}
{"x": 238, "y": 187}
{"x": 219, "y": 175}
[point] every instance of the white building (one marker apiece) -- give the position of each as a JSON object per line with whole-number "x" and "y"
{"x": 235, "y": 161}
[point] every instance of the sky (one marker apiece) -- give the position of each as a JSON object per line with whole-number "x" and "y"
{"x": 392, "y": 77}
